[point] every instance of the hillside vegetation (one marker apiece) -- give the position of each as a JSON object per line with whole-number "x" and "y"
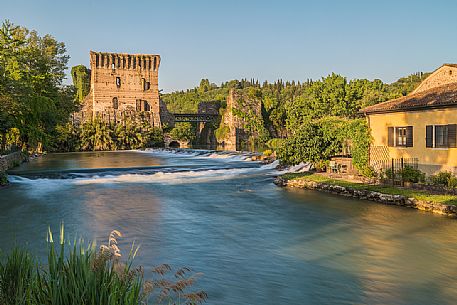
{"x": 305, "y": 121}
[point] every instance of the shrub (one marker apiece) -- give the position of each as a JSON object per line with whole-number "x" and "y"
{"x": 452, "y": 182}
{"x": 410, "y": 174}
{"x": 183, "y": 132}
{"x": 442, "y": 178}
{"x": 321, "y": 165}
{"x": 274, "y": 143}
{"x": 368, "y": 172}
{"x": 222, "y": 132}
{"x": 3, "y": 178}
{"x": 388, "y": 173}
{"x": 267, "y": 152}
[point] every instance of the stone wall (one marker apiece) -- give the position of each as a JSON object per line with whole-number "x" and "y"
{"x": 122, "y": 83}
{"x": 9, "y": 161}
{"x": 236, "y": 100}
{"x": 399, "y": 200}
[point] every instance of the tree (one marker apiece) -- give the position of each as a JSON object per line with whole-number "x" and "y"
{"x": 183, "y": 132}
{"x": 32, "y": 96}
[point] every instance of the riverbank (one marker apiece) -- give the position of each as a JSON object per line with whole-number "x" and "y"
{"x": 418, "y": 199}
{"x": 8, "y": 162}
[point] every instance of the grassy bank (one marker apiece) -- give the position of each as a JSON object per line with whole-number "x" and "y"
{"x": 391, "y": 190}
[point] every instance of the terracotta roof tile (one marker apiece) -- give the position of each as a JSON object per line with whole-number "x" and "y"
{"x": 441, "y": 96}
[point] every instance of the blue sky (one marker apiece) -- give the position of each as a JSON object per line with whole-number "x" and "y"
{"x": 267, "y": 40}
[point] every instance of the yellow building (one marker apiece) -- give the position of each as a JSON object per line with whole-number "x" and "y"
{"x": 421, "y": 125}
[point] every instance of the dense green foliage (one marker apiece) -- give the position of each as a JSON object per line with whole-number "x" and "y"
{"x": 410, "y": 174}
{"x": 3, "y": 178}
{"x": 442, "y": 178}
{"x": 32, "y": 98}
{"x": 96, "y": 135}
{"x": 313, "y": 119}
{"x": 81, "y": 81}
{"x": 184, "y": 132}
{"x": 288, "y": 104}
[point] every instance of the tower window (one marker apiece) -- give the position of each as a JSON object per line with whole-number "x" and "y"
{"x": 118, "y": 82}
{"x": 146, "y": 106}
{"x": 146, "y": 85}
{"x": 134, "y": 62}
{"x": 115, "y": 103}
{"x": 155, "y": 63}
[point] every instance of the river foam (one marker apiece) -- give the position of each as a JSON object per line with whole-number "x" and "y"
{"x": 220, "y": 166}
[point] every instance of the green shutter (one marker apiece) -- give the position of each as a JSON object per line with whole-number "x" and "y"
{"x": 429, "y": 136}
{"x": 451, "y": 135}
{"x": 390, "y": 136}
{"x": 409, "y": 136}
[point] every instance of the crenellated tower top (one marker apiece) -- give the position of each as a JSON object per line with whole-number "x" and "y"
{"x": 144, "y": 62}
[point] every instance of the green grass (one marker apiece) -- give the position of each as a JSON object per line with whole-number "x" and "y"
{"x": 391, "y": 190}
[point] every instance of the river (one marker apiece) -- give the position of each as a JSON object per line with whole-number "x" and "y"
{"x": 256, "y": 243}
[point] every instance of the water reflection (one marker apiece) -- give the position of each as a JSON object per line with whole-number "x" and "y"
{"x": 255, "y": 243}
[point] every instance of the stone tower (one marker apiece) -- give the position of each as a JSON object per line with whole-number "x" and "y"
{"x": 122, "y": 85}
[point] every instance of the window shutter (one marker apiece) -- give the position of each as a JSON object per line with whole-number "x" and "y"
{"x": 429, "y": 136}
{"x": 451, "y": 135}
{"x": 409, "y": 136}
{"x": 390, "y": 136}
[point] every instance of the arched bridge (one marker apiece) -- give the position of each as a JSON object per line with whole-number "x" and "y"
{"x": 195, "y": 117}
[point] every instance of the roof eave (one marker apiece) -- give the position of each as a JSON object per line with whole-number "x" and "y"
{"x": 415, "y": 108}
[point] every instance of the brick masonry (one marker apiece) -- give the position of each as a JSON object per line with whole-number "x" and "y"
{"x": 122, "y": 85}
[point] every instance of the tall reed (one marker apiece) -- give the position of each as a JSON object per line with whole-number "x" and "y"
{"x": 77, "y": 273}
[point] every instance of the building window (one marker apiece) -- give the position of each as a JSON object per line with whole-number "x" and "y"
{"x": 115, "y": 103}
{"x": 146, "y": 85}
{"x": 146, "y": 106}
{"x": 118, "y": 81}
{"x": 400, "y": 136}
{"x": 155, "y": 63}
{"x": 441, "y": 136}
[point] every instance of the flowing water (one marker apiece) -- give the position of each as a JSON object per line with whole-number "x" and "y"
{"x": 255, "y": 243}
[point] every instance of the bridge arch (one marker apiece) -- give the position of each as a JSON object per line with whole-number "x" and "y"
{"x": 174, "y": 144}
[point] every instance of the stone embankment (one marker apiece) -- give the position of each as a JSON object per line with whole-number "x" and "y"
{"x": 399, "y": 200}
{"x": 9, "y": 161}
